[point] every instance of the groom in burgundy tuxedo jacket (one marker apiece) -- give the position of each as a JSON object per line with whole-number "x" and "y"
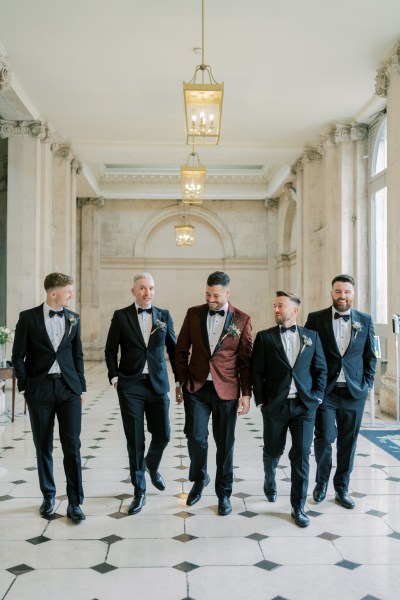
{"x": 213, "y": 364}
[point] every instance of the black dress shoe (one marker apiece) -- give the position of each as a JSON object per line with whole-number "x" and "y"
{"x": 197, "y": 490}
{"x": 270, "y": 494}
{"x": 300, "y": 517}
{"x": 344, "y": 499}
{"x": 137, "y": 504}
{"x": 319, "y": 493}
{"x": 156, "y": 478}
{"x": 224, "y": 506}
{"x": 74, "y": 512}
{"x": 47, "y": 507}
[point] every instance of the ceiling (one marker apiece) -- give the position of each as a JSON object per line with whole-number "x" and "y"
{"x": 107, "y": 77}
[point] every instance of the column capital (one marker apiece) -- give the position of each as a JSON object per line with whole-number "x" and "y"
{"x": 271, "y": 202}
{"x": 388, "y": 69}
{"x": 95, "y": 201}
{"x": 5, "y": 76}
{"x": 36, "y": 129}
{"x": 312, "y": 155}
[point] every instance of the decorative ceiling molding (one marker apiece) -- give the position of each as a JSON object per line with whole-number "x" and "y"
{"x": 96, "y": 201}
{"x": 5, "y": 76}
{"x": 36, "y": 129}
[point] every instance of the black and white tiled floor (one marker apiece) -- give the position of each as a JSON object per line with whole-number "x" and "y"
{"x": 172, "y": 552}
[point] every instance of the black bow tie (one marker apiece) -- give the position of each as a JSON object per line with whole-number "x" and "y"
{"x": 344, "y": 317}
{"x": 216, "y": 312}
{"x": 59, "y": 313}
{"x": 140, "y": 310}
{"x": 285, "y": 329}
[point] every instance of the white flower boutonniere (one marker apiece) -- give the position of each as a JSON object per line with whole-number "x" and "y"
{"x": 357, "y": 327}
{"x": 306, "y": 341}
{"x": 72, "y": 322}
{"x": 232, "y": 330}
{"x": 159, "y": 326}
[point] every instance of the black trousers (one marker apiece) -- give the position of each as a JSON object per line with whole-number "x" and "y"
{"x": 338, "y": 418}
{"x": 137, "y": 399}
{"x": 295, "y": 417}
{"x": 52, "y": 398}
{"x": 198, "y": 408}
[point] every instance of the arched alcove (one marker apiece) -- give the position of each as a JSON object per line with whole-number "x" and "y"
{"x": 157, "y": 237}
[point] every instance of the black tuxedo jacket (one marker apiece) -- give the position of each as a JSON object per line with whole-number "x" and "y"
{"x": 33, "y": 353}
{"x": 125, "y": 334}
{"x": 359, "y": 360}
{"x": 272, "y": 373}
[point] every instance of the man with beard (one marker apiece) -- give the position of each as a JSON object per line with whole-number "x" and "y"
{"x": 213, "y": 353}
{"x": 347, "y": 337}
{"x": 289, "y": 378}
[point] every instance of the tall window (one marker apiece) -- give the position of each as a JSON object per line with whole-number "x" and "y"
{"x": 378, "y": 196}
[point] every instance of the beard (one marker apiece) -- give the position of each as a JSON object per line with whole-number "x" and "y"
{"x": 342, "y": 307}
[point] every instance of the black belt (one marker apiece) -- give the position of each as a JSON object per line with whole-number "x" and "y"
{"x": 145, "y": 376}
{"x": 341, "y": 384}
{"x": 53, "y": 376}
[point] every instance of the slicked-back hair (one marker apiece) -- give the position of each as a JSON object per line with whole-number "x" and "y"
{"x": 289, "y": 295}
{"x": 57, "y": 280}
{"x": 218, "y": 278}
{"x": 142, "y": 276}
{"x": 345, "y": 279}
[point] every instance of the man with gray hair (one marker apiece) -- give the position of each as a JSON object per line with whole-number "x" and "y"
{"x": 140, "y": 332}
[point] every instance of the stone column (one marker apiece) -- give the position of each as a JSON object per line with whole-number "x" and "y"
{"x": 311, "y": 224}
{"x": 272, "y": 206}
{"x": 388, "y": 85}
{"x": 24, "y": 212}
{"x": 89, "y": 268}
{"x": 64, "y": 211}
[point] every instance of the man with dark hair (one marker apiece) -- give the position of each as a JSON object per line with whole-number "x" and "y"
{"x": 142, "y": 332}
{"x": 347, "y": 337}
{"x": 48, "y": 360}
{"x": 213, "y": 355}
{"x": 289, "y": 378}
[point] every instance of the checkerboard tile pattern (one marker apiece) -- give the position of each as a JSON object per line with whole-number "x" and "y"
{"x": 171, "y": 552}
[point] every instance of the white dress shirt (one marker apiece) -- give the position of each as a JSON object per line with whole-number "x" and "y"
{"x": 342, "y": 332}
{"x": 291, "y": 344}
{"x": 55, "y": 328}
{"x": 215, "y": 326}
{"x": 145, "y": 323}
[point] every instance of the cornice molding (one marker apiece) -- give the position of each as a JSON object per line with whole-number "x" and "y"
{"x": 81, "y": 202}
{"x": 388, "y": 69}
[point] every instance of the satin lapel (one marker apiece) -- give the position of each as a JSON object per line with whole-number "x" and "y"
{"x": 228, "y": 321}
{"x": 355, "y": 316}
{"x": 67, "y": 316}
{"x": 38, "y": 317}
{"x": 300, "y": 332}
{"x": 203, "y": 327}
{"x": 156, "y": 316}
{"x": 276, "y": 338}
{"x": 134, "y": 322}
{"x": 329, "y": 329}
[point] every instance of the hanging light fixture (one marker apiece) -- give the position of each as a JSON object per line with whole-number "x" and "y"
{"x": 203, "y": 102}
{"x": 184, "y": 233}
{"x": 193, "y": 179}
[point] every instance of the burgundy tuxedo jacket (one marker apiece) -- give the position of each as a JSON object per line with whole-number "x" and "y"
{"x": 230, "y": 363}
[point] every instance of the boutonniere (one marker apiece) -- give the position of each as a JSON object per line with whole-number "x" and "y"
{"x": 159, "y": 326}
{"x": 357, "y": 327}
{"x": 306, "y": 341}
{"x": 232, "y": 330}
{"x": 72, "y": 322}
